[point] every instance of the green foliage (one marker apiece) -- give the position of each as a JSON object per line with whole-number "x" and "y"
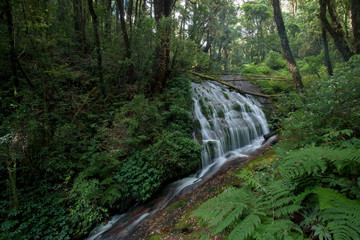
{"x": 328, "y": 111}
{"x": 274, "y": 61}
{"x": 265, "y": 206}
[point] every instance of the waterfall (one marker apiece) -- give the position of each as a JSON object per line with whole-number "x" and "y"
{"x": 228, "y": 125}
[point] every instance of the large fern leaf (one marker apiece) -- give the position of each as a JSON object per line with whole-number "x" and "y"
{"x": 224, "y": 209}
{"x": 314, "y": 160}
{"x": 245, "y": 227}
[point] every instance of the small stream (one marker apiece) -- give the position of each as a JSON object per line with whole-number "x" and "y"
{"x": 230, "y": 126}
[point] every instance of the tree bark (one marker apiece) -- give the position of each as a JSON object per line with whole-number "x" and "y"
{"x": 335, "y": 29}
{"x": 324, "y": 40}
{"x": 355, "y": 22}
{"x": 79, "y": 24}
{"x": 120, "y": 4}
{"x": 10, "y": 26}
{"x": 294, "y": 70}
{"x": 97, "y": 44}
{"x": 108, "y": 15}
{"x": 162, "y": 9}
{"x": 130, "y": 4}
{"x": 326, "y": 52}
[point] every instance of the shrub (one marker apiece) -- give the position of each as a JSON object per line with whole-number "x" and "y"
{"x": 274, "y": 61}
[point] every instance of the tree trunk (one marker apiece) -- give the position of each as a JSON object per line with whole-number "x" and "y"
{"x": 129, "y": 13}
{"x": 120, "y": 4}
{"x": 325, "y": 42}
{"x": 97, "y": 44}
{"x": 335, "y": 31}
{"x": 285, "y": 45}
{"x": 10, "y": 26}
{"x": 108, "y": 15}
{"x": 209, "y": 41}
{"x": 79, "y": 24}
{"x": 326, "y": 52}
{"x": 355, "y": 21}
{"x": 162, "y": 9}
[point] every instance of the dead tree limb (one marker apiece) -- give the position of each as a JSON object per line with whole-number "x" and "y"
{"x": 232, "y": 86}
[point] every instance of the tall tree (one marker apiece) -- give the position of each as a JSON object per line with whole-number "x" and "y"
{"x": 162, "y": 9}
{"x": 10, "y": 26}
{"x": 355, "y": 21}
{"x": 97, "y": 43}
{"x": 79, "y": 24}
{"x": 285, "y": 45}
{"x": 335, "y": 29}
{"x": 325, "y": 42}
{"x": 120, "y": 5}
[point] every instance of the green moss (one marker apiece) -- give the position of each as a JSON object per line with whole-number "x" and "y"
{"x": 221, "y": 114}
{"x": 237, "y": 107}
{"x": 226, "y": 95}
{"x": 176, "y": 205}
{"x": 204, "y": 109}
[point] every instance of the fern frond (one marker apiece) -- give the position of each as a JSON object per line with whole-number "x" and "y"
{"x": 315, "y": 160}
{"x": 245, "y": 227}
{"x": 343, "y": 221}
{"x": 287, "y": 210}
{"x": 305, "y": 161}
{"x": 275, "y": 229}
{"x": 227, "y": 206}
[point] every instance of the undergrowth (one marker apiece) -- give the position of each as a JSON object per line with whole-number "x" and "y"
{"x": 313, "y": 190}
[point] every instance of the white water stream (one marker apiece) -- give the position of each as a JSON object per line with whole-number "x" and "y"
{"x": 229, "y": 126}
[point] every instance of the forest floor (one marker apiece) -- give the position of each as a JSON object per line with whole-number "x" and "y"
{"x": 174, "y": 221}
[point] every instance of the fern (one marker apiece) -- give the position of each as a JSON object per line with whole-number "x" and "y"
{"x": 277, "y": 229}
{"x": 249, "y": 210}
{"x": 316, "y": 160}
{"x": 264, "y": 209}
{"x": 246, "y": 227}
{"x": 342, "y": 215}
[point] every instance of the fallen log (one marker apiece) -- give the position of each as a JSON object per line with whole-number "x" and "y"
{"x": 272, "y": 133}
{"x": 252, "y": 79}
{"x": 232, "y": 86}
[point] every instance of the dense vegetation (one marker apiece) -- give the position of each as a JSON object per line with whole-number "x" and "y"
{"x": 312, "y": 191}
{"x": 96, "y": 112}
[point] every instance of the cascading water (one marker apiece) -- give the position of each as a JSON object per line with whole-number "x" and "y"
{"x": 229, "y": 126}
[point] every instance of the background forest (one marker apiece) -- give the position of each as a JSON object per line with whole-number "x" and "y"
{"x": 96, "y": 108}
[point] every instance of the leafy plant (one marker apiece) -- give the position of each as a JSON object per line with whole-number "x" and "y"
{"x": 266, "y": 205}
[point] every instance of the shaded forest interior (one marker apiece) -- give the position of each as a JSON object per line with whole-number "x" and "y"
{"x": 96, "y": 104}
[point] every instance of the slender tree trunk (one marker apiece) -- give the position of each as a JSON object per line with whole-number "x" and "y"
{"x": 97, "y": 44}
{"x": 335, "y": 29}
{"x": 326, "y": 52}
{"x": 355, "y": 21}
{"x": 162, "y": 9}
{"x": 129, "y": 14}
{"x": 10, "y": 26}
{"x": 325, "y": 42}
{"x": 108, "y": 18}
{"x": 209, "y": 41}
{"x": 79, "y": 24}
{"x": 294, "y": 70}
{"x": 120, "y": 4}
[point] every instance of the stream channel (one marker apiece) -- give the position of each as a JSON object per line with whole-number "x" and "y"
{"x": 230, "y": 128}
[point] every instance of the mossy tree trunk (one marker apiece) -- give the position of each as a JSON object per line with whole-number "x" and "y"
{"x": 355, "y": 21}
{"x": 294, "y": 70}
{"x": 97, "y": 44}
{"x": 335, "y": 29}
{"x": 162, "y": 9}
